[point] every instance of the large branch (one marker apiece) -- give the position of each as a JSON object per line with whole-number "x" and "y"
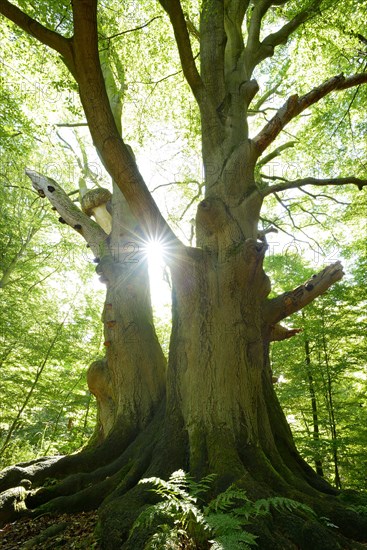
{"x": 48, "y": 37}
{"x": 82, "y": 56}
{"x": 174, "y": 11}
{"x": 240, "y": 88}
{"x": 234, "y": 13}
{"x": 257, "y": 51}
{"x": 212, "y": 49}
{"x": 69, "y": 212}
{"x": 206, "y": 87}
{"x": 275, "y": 153}
{"x": 297, "y": 184}
{"x": 254, "y": 27}
{"x": 106, "y": 137}
{"x": 281, "y": 36}
{"x": 296, "y": 105}
{"x": 284, "y": 305}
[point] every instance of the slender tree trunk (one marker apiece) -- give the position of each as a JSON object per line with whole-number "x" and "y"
{"x": 315, "y": 416}
{"x": 330, "y": 407}
{"x": 27, "y": 398}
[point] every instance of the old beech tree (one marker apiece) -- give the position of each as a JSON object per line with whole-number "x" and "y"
{"x": 212, "y": 408}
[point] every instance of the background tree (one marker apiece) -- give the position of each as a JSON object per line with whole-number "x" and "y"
{"x": 213, "y": 409}
{"x": 322, "y": 372}
{"x": 43, "y": 329}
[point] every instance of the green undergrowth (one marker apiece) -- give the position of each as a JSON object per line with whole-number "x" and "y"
{"x": 182, "y": 518}
{"x": 355, "y": 501}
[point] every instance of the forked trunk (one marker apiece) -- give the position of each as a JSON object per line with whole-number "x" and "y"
{"x": 129, "y": 382}
{"x": 220, "y": 414}
{"x": 219, "y": 378}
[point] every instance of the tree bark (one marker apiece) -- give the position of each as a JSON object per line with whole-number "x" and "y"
{"x": 214, "y": 408}
{"x": 315, "y": 416}
{"x": 129, "y": 382}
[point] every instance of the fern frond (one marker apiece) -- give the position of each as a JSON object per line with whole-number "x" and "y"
{"x": 263, "y": 506}
{"x": 241, "y": 541}
{"x": 165, "y": 538}
{"x": 230, "y": 498}
{"x": 224, "y": 524}
{"x": 178, "y": 517}
{"x": 197, "y": 488}
{"x": 176, "y": 488}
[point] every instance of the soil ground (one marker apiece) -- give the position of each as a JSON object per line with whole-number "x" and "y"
{"x": 74, "y": 531}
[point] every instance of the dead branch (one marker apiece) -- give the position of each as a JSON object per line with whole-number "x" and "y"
{"x": 284, "y": 305}
{"x": 69, "y": 212}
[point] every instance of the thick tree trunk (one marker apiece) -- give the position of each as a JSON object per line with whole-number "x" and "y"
{"x": 219, "y": 378}
{"x": 217, "y": 338}
{"x": 220, "y": 414}
{"x": 129, "y": 382}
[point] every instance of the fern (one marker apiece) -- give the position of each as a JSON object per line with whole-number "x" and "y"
{"x": 170, "y": 539}
{"x": 238, "y": 541}
{"x": 181, "y": 521}
{"x": 180, "y": 485}
{"x": 230, "y": 498}
{"x": 236, "y": 500}
{"x": 262, "y": 506}
{"x": 176, "y": 488}
{"x": 201, "y": 487}
{"x": 227, "y": 515}
{"x": 224, "y": 523}
{"x": 184, "y": 523}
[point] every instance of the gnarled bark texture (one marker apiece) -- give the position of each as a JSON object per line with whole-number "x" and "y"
{"x": 213, "y": 408}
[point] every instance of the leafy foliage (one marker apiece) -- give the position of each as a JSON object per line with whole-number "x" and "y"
{"x": 327, "y": 360}
{"x": 48, "y": 318}
{"x": 181, "y": 519}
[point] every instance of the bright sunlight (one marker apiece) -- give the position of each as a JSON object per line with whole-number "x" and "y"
{"x": 159, "y": 287}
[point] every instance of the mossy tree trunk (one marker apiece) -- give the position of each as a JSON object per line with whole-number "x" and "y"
{"x": 213, "y": 409}
{"x": 129, "y": 383}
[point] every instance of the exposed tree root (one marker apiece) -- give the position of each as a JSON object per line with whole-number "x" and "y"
{"x": 158, "y": 450}
{"x": 81, "y": 490}
{"x": 291, "y": 531}
{"x": 109, "y": 454}
{"x": 12, "y": 476}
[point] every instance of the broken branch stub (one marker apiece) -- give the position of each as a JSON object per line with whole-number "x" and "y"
{"x": 94, "y": 203}
{"x": 285, "y": 304}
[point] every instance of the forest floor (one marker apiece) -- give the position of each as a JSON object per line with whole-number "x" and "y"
{"x": 74, "y": 531}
